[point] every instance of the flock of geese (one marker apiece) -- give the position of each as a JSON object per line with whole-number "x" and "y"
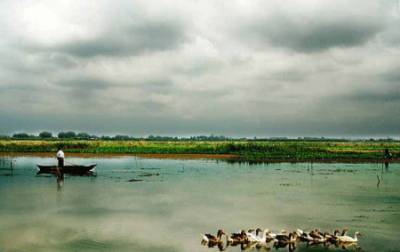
{"x": 258, "y": 238}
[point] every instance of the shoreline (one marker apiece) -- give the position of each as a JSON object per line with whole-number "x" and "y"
{"x": 229, "y": 151}
{"x": 184, "y": 156}
{"x": 119, "y": 155}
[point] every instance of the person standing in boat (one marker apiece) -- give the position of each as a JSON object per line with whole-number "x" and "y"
{"x": 60, "y": 158}
{"x": 60, "y": 168}
{"x": 387, "y": 156}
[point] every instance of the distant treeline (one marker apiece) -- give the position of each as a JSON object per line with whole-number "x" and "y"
{"x": 86, "y": 136}
{"x": 46, "y": 135}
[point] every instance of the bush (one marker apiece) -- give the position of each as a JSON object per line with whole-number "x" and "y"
{"x": 121, "y": 137}
{"x": 45, "y": 134}
{"x": 69, "y": 134}
{"x": 21, "y": 135}
{"x": 83, "y": 135}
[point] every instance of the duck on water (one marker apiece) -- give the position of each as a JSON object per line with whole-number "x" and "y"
{"x": 212, "y": 240}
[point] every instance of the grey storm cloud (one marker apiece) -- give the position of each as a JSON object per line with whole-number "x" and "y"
{"x": 240, "y": 68}
{"x": 157, "y": 86}
{"x": 310, "y": 34}
{"x": 131, "y": 40}
{"x": 392, "y": 77}
{"x": 86, "y": 83}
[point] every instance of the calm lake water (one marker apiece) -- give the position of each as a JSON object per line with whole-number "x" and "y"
{"x": 178, "y": 200}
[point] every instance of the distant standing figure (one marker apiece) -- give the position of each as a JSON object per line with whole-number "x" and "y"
{"x": 60, "y": 158}
{"x": 59, "y": 171}
{"x": 387, "y": 154}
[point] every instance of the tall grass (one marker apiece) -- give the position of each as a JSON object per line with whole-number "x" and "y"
{"x": 247, "y": 150}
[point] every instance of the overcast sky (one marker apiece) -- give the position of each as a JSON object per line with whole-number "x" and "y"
{"x": 238, "y": 68}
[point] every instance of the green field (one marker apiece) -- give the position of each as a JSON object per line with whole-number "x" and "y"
{"x": 284, "y": 150}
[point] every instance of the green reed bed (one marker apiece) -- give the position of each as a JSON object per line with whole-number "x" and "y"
{"x": 296, "y": 150}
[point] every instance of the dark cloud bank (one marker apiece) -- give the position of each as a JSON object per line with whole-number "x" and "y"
{"x": 268, "y": 69}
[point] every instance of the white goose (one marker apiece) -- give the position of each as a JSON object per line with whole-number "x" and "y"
{"x": 255, "y": 237}
{"x": 267, "y": 236}
{"x": 251, "y": 237}
{"x": 349, "y": 239}
{"x": 303, "y": 236}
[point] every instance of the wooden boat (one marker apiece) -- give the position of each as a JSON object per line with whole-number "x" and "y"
{"x": 68, "y": 169}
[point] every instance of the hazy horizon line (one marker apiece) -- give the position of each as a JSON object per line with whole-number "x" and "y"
{"x": 210, "y": 135}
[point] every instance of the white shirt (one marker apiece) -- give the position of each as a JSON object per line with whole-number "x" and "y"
{"x": 60, "y": 154}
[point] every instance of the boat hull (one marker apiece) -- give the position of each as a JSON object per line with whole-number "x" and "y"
{"x": 68, "y": 169}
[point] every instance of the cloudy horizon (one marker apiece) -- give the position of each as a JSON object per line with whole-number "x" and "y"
{"x": 235, "y": 68}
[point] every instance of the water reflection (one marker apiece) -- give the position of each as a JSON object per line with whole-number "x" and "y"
{"x": 387, "y": 166}
{"x": 60, "y": 181}
{"x": 168, "y": 209}
{"x": 288, "y": 247}
{"x": 384, "y": 169}
{"x": 7, "y": 165}
{"x": 59, "y": 171}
